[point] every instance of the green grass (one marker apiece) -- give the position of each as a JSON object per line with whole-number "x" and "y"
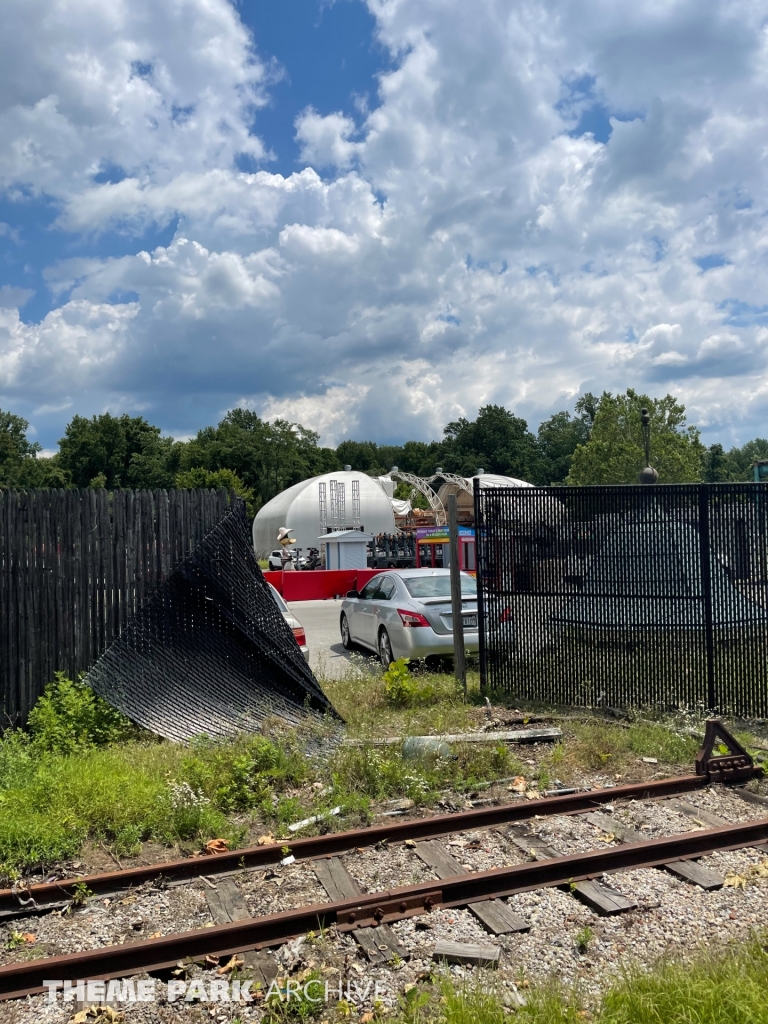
{"x": 723, "y": 987}
{"x": 84, "y": 773}
{"x": 436, "y": 704}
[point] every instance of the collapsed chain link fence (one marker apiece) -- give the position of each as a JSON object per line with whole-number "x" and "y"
{"x": 209, "y": 652}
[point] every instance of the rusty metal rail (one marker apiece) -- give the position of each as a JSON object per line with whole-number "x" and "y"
{"x": 27, "y": 977}
{"x": 21, "y": 902}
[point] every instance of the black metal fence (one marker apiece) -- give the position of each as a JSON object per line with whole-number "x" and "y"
{"x": 76, "y": 566}
{"x": 626, "y": 596}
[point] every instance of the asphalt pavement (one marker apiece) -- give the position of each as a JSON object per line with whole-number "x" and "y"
{"x": 320, "y": 620}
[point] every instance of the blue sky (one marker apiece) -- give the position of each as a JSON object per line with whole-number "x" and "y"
{"x": 373, "y": 217}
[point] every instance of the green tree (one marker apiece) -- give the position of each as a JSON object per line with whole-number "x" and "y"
{"x": 14, "y": 447}
{"x": 118, "y": 451}
{"x": 497, "y": 441}
{"x": 20, "y": 464}
{"x": 614, "y": 452}
{"x": 560, "y": 436}
{"x": 192, "y": 479}
{"x": 267, "y": 457}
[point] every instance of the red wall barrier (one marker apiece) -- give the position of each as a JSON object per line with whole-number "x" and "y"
{"x": 319, "y": 584}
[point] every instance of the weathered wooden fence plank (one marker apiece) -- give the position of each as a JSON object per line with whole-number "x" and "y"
{"x": 75, "y": 567}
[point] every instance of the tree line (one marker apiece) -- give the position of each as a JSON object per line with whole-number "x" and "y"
{"x": 601, "y": 442}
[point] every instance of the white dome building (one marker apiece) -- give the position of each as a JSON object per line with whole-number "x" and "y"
{"x": 349, "y": 500}
{"x": 465, "y": 501}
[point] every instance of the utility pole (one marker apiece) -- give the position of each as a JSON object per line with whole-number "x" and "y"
{"x": 459, "y": 661}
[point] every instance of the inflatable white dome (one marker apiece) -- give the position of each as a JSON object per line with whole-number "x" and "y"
{"x": 298, "y": 508}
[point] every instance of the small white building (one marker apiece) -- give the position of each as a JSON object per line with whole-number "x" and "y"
{"x": 346, "y": 549}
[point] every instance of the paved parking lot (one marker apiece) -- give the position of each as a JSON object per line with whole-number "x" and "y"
{"x": 320, "y": 620}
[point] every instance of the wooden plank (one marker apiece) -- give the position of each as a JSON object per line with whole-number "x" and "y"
{"x": 610, "y": 826}
{"x": 262, "y": 967}
{"x": 226, "y": 903}
{"x": 232, "y": 900}
{"x": 467, "y": 953}
{"x": 498, "y": 918}
{"x": 602, "y": 898}
{"x": 690, "y": 871}
{"x": 437, "y": 857}
{"x": 531, "y": 844}
{"x": 335, "y": 879}
{"x": 749, "y": 797}
{"x": 219, "y": 912}
{"x": 596, "y": 895}
{"x": 379, "y": 944}
{"x": 704, "y": 817}
{"x": 493, "y": 914}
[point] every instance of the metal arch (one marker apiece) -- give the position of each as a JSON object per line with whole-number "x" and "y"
{"x": 422, "y": 485}
{"x": 453, "y": 478}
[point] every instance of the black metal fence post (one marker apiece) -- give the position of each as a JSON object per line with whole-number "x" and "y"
{"x": 705, "y": 552}
{"x": 479, "y": 563}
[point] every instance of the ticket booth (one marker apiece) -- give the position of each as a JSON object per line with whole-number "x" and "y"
{"x": 433, "y": 548}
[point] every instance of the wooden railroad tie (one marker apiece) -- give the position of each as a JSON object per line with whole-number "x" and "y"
{"x": 495, "y": 915}
{"x": 378, "y": 943}
{"x": 596, "y": 895}
{"x": 687, "y": 870}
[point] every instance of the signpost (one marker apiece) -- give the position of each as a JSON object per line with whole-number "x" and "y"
{"x": 459, "y": 661}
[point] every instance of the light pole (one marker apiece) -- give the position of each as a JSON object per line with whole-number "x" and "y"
{"x": 648, "y": 475}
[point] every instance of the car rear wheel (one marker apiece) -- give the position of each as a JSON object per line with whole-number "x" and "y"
{"x": 346, "y": 638}
{"x": 385, "y": 649}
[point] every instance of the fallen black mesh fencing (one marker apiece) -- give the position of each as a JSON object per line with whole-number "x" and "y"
{"x": 209, "y": 652}
{"x": 626, "y": 596}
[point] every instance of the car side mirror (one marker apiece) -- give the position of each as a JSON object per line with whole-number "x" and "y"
{"x": 353, "y": 593}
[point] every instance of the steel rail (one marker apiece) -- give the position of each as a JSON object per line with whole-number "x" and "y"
{"x": 27, "y": 977}
{"x": 22, "y": 902}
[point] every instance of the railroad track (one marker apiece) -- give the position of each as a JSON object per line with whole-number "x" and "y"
{"x": 368, "y": 915}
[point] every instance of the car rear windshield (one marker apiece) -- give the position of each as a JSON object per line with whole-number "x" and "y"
{"x": 438, "y": 586}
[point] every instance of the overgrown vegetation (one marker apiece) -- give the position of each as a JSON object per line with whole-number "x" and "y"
{"x": 716, "y": 987}
{"x": 83, "y": 773}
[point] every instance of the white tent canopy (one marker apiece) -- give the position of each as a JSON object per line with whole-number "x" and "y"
{"x": 298, "y": 508}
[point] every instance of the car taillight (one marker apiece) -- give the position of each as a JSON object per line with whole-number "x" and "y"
{"x": 411, "y": 618}
{"x": 506, "y": 615}
{"x": 301, "y": 636}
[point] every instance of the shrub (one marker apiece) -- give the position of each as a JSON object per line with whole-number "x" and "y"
{"x": 404, "y": 690}
{"x": 70, "y": 716}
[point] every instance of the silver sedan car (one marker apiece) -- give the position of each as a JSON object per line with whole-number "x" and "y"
{"x": 407, "y": 614}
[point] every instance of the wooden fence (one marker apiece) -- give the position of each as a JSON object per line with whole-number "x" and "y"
{"x": 75, "y": 566}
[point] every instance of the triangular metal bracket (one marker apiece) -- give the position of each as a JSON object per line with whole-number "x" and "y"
{"x": 735, "y": 766}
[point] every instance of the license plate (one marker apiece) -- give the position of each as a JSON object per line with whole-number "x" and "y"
{"x": 470, "y": 621}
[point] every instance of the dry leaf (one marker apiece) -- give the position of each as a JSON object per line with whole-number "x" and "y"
{"x": 217, "y": 846}
{"x": 266, "y": 840}
{"x": 608, "y": 838}
{"x": 753, "y": 872}
{"x": 410, "y": 842}
{"x": 233, "y": 963}
{"x": 156, "y": 935}
{"x": 518, "y": 784}
{"x": 27, "y": 937}
{"x": 366, "y": 1018}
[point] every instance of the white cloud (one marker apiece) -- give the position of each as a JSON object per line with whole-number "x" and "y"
{"x": 476, "y": 253}
{"x": 325, "y": 140}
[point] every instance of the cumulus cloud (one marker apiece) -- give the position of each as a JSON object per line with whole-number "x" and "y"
{"x": 474, "y": 238}
{"x": 325, "y": 140}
